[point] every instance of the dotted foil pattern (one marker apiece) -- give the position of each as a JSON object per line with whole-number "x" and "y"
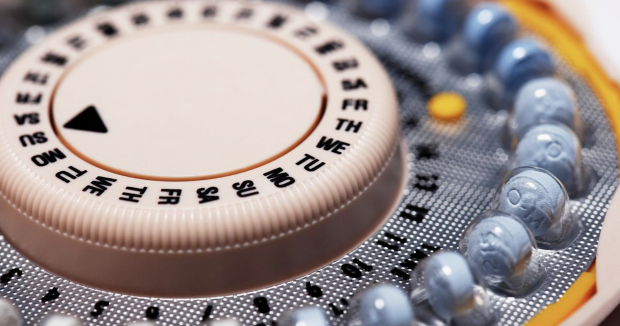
{"x": 455, "y": 169}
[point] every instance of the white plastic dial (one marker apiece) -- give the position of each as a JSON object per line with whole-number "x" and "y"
{"x": 205, "y": 102}
{"x": 185, "y": 149}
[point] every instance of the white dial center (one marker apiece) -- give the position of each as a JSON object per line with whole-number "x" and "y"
{"x": 188, "y": 104}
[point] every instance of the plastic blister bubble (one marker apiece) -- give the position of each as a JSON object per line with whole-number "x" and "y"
{"x": 433, "y": 20}
{"x": 517, "y": 63}
{"x": 486, "y": 30}
{"x": 503, "y": 251}
{"x": 447, "y": 284}
{"x": 540, "y": 201}
{"x": 545, "y": 100}
{"x": 557, "y": 149}
{"x": 381, "y": 305}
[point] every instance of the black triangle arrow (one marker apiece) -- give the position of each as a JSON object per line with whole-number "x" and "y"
{"x": 87, "y": 120}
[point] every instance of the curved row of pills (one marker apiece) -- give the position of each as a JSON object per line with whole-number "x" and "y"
{"x": 544, "y": 120}
{"x": 531, "y": 206}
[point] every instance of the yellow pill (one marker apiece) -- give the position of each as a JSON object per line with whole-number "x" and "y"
{"x": 447, "y": 106}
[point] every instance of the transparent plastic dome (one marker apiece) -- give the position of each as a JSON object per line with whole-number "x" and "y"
{"x": 540, "y": 201}
{"x": 501, "y": 248}
{"x": 557, "y": 149}
{"x": 545, "y": 100}
{"x": 447, "y": 291}
{"x": 518, "y": 62}
{"x": 486, "y": 30}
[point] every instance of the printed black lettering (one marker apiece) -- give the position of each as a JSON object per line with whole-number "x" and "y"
{"x": 312, "y": 165}
{"x": 51, "y": 295}
{"x": 428, "y": 183}
{"x": 357, "y": 104}
{"x": 206, "y": 195}
{"x": 400, "y": 273}
{"x": 351, "y": 271}
{"x": 277, "y": 21}
{"x": 392, "y": 242}
{"x": 351, "y": 125}
{"x": 55, "y": 59}
{"x": 343, "y": 65}
{"x": 329, "y": 47}
{"x": 11, "y": 274}
{"x": 48, "y": 157}
{"x": 27, "y": 98}
{"x": 68, "y": 176}
{"x": 427, "y": 151}
{"x": 362, "y": 265}
{"x": 414, "y": 213}
{"x": 107, "y": 29}
{"x": 329, "y": 144}
{"x": 314, "y": 291}
{"x": 152, "y": 313}
{"x": 338, "y": 310}
{"x": 412, "y": 121}
{"x": 133, "y": 194}
{"x": 207, "y": 314}
{"x": 99, "y": 308}
{"x": 355, "y": 271}
{"x": 30, "y": 118}
{"x": 306, "y": 32}
{"x": 173, "y": 197}
{"x": 245, "y": 188}
{"x": 98, "y": 186}
{"x": 350, "y": 85}
{"x": 77, "y": 42}
{"x": 36, "y": 138}
{"x": 244, "y": 13}
{"x": 412, "y": 262}
{"x": 175, "y": 13}
{"x": 262, "y": 304}
{"x": 140, "y": 19}
{"x": 279, "y": 178}
{"x": 36, "y": 78}
{"x": 405, "y": 275}
{"x": 209, "y": 12}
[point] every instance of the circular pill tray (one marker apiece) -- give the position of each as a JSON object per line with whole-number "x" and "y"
{"x": 455, "y": 169}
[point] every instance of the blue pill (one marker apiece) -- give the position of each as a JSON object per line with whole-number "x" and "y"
{"x": 385, "y": 305}
{"x": 553, "y": 148}
{"x": 487, "y": 29}
{"x": 436, "y": 20}
{"x": 545, "y": 99}
{"x": 380, "y": 8}
{"x": 307, "y": 316}
{"x": 535, "y": 197}
{"x": 521, "y": 61}
{"x": 450, "y": 284}
{"x": 499, "y": 246}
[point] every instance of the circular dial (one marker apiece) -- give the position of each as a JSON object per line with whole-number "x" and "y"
{"x": 191, "y": 93}
{"x": 168, "y": 141}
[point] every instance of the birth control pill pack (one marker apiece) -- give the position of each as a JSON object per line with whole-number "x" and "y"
{"x": 454, "y": 171}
